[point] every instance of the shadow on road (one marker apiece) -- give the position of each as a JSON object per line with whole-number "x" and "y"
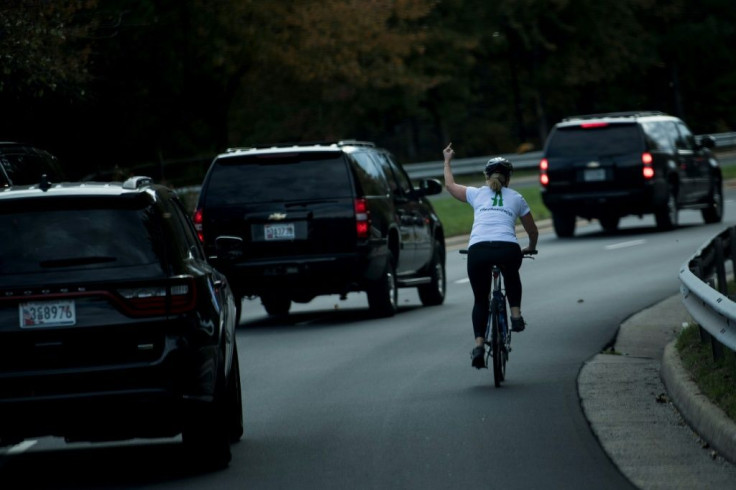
{"x": 98, "y": 467}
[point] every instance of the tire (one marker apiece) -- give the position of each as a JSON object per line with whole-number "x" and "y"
{"x": 564, "y": 224}
{"x": 276, "y": 305}
{"x": 666, "y": 215}
{"x": 433, "y": 294}
{"x": 383, "y": 295}
{"x": 714, "y": 212}
{"x": 499, "y": 364}
{"x": 609, "y": 223}
{"x": 234, "y": 400}
{"x": 206, "y": 434}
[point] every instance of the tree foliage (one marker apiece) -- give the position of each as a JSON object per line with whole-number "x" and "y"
{"x": 175, "y": 79}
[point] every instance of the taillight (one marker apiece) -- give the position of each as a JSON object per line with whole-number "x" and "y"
{"x": 176, "y": 296}
{"x": 543, "y": 176}
{"x": 593, "y": 125}
{"x": 362, "y": 218}
{"x": 647, "y": 169}
{"x": 197, "y": 219}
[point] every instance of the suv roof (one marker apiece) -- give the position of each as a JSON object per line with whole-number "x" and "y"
{"x": 307, "y": 146}
{"x": 135, "y": 184}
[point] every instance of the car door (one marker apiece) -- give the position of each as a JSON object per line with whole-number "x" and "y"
{"x": 693, "y": 164}
{"x": 410, "y": 213}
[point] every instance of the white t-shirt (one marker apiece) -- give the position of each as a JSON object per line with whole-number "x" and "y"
{"x": 495, "y": 216}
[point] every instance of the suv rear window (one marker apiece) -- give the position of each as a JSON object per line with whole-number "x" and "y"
{"x": 613, "y": 139}
{"x": 282, "y": 177}
{"x": 77, "y": 238}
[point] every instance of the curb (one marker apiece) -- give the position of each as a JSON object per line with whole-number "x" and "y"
{"x": 708, "y": 420}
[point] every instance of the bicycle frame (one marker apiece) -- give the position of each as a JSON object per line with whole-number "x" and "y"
{"x": 498, "y": 335}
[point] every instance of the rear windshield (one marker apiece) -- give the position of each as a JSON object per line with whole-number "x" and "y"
{"x": 614, "y": 139}
{"x": 282, "y": 178}
{"x": 65, "y": 239}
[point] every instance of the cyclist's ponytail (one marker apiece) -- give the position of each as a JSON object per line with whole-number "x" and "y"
{"x": 496, "y": 181}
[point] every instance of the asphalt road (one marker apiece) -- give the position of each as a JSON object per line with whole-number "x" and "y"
{"x": 336, "y": 399}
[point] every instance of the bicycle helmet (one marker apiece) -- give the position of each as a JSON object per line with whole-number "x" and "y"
{"x": 498, "y": 165}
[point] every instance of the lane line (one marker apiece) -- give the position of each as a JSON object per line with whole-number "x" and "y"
{"x": 632, "y": 243}
{"x": 22, "y": 447}
{"x": 462, "y": 281}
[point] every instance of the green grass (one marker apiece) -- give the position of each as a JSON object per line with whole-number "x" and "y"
{"x": 717, "y": 380}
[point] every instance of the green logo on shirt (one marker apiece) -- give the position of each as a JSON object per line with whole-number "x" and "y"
{"x": 497, "y": 199}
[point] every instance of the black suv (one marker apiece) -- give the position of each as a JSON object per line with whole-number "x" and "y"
{"x": 113, "y": 325}
{"x": 606, "y": 166}
{"x": 22, "y": 164}
{"x": 292, "y": 222}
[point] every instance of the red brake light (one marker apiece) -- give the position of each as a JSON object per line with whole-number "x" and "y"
{"x": 197, "y": 219}
{"x": 543, "y": 177}
{"x": 177, "y": 296}
{"x": 594, "y": 125}
{"x": 362, "y": 218}
{"x": 647, "y": 170}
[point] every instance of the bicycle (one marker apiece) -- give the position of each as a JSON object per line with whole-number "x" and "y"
{"x": 498, "y": 333}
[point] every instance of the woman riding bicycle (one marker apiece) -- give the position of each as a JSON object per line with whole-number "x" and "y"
{"x": 493, "y": 241}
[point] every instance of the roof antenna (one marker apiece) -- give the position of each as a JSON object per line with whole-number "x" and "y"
{"x": 44, "y": 185}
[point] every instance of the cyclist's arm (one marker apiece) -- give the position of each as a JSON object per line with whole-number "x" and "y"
{"x": 530, "y": 227}
{"x": 456, "y": 190}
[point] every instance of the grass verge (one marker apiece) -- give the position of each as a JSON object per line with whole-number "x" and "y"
{"x": 716, "y": 379}
{"x": 457, "y": 217}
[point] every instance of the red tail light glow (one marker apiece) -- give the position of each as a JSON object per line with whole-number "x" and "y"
{"x": 543, "y": 177}
{"x": 647, "y": 170}
{"x": 593, "y": 125}
{"x": 197, "y": 219}
{"x": 362, "y": 218}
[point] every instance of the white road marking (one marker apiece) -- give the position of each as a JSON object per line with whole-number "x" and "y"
{"x": 632, "y": 243}
{"x": 22, "y": 447}
{"x": 462, "y": 281}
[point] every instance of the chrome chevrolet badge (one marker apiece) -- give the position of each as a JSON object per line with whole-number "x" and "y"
{"x": 277, "y": 216}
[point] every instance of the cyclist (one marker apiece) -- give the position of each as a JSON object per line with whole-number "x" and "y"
{"x": 493, "y": 241}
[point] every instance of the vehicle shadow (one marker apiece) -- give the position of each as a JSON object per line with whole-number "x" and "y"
{"x": 105, "y": 466}
{"x": 628, "y": 231}
{"x": 322, "y": 318}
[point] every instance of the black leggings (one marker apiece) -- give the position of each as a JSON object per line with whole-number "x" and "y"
{"x": 482, "y": 257}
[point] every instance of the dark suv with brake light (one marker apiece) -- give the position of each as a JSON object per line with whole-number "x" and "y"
{"x": 606, "y": 166}
{"x": 288, "y": 223}
{"x": 113, "y": 325}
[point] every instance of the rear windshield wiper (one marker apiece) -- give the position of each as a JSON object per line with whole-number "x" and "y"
{"x": 76, "y": 261}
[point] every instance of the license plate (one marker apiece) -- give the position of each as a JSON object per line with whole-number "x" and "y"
{"x": 279, "y": 231}
{"x": 47, "y": 313}
{"x": 594, "y": 174}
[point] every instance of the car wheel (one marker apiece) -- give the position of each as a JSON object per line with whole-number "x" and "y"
{"x": 276, "y": 305}
{"x": 609, "y": 223}
{"x": 206, "y": 436}
{"x": 714, "y": 212}
{"x": 564, "y": 224}
{"x": 666, "y": 215}
{"x": 433, "y": 294}
{"x": 383, "y": 296}
{"x": 234, "y": 403}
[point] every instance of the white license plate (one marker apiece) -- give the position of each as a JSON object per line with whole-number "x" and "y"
{"x": 47, "y": 313}
{"x": 594, "y": 174}
{"x": 280, "y": 231}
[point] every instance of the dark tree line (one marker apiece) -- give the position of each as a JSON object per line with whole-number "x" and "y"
{"x": 128, "y": 82}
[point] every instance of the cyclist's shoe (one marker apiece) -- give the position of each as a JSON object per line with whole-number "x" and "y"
{"x": 478, "y": 355}
{"x": 518, "y": 324}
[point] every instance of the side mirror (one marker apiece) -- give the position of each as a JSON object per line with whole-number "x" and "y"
{"x": 430, "y": 187}
{"x": 229, "y": 248}
{"x": 708, "y": 142}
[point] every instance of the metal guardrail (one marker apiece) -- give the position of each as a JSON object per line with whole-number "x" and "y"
{"x": 704, "y": 290}
{"x": 465, "y": 166}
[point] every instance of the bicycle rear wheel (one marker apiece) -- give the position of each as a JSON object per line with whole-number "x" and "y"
{"x": 497, "y": 349}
